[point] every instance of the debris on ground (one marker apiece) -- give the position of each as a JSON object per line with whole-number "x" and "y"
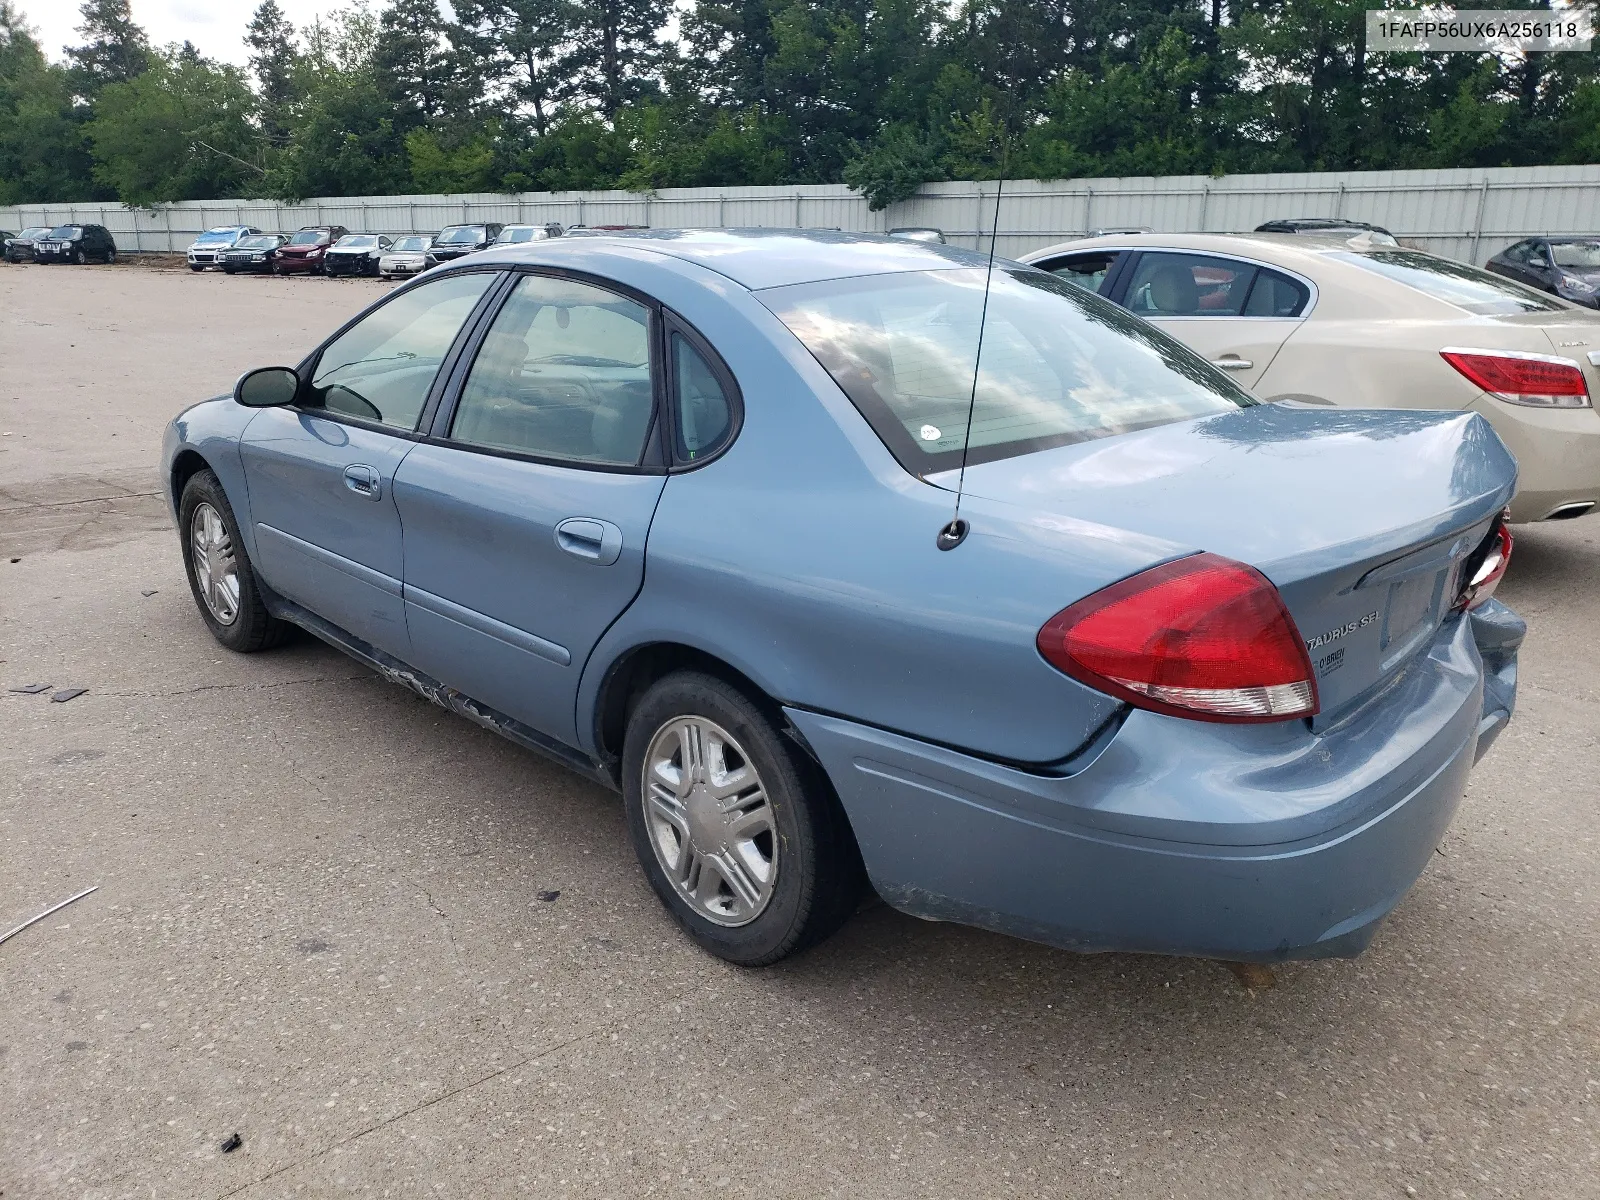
{"x": 11, "y": 933}
{"x": 33, "y": 689}
{"x": 548, "y": 896}
{"x": 1254, "y": 976}
{"x": 66, "y": 694}
{"x": 231, "y": 1143}
{"x": 149, "y": 591}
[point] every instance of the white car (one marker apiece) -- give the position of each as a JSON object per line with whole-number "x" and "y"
{"x": 206, "y": 251}
{"x": 407, "y": 256}
{"x": 1359, "y": 324}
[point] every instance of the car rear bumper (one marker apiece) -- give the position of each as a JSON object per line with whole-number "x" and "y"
{"x": 1249, "y": 843}
{"x": 1557, "y": 453}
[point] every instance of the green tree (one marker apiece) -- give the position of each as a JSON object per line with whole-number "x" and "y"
{"x": 417, "y": 64}
{"x": 523, "y": 51}
{"x": 274, "y": 61}
{"x": 114, "y": 49}
{"x": 179, "y": 130}
{"x": 617, "y": 57}
{"x": 43, "y": 157}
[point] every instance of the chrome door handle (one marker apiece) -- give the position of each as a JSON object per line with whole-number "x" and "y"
{"x": 1232, "y": 362}
{"x": 591, "y": 539}
{"x": 364, "y": 481}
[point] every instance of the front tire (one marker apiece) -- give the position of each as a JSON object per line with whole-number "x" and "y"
{"x": 221, "y": 578}
{"x": 77, "y": 258}
{"x": 739, "y": 834}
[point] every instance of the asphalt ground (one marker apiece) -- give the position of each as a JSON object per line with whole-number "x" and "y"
{"x": 320, "y": 923}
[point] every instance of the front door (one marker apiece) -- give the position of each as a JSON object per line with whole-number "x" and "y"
{"x": 321, "y": 474}
{"x": 1236, "y": 314}
{"x": 526, "y": 522}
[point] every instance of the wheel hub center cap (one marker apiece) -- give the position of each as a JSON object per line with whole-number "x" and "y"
{"x": 708, "y": 830}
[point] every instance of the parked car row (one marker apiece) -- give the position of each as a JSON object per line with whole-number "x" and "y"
{"x": 334, "y": 250}
{"x": 61, "y": 244}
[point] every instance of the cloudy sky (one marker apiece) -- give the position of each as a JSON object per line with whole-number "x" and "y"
{"x": 215, "y": 26}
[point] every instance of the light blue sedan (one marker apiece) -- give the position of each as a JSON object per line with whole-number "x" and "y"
{"x": 1190, "y": 674}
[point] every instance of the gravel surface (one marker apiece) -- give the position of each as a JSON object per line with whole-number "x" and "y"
{"x": 319, "y": 925}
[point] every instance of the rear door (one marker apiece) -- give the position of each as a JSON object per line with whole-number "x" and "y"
{"x": 526, "y": 512}
{"x": 1235, "y": 313}
{"x": 321, "y": 473}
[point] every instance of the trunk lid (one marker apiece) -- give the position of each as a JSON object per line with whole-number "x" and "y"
{"x": 1362, "y": 519}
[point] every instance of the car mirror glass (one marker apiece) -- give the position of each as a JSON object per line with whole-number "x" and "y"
{"x": 267, "y": 387}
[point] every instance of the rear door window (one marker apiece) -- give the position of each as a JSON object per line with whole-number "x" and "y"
{"x": 1274, "y": 294}
{"x": 1165, "y": 284}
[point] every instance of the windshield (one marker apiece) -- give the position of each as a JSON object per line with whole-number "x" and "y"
{"x": 307, "y": 237}
{"x": 411, "y": 243}
{"x": 357, "y": 241}
{"x": 215, "y": 237}
{"x": 65, "y": 233}
{"x": 519, "y": 233}
{"x": 1058, "y": 365}
{"x": 265, "y": 242}
{"x": 1576, "y": 254}
{"x": 34, "y": 231}
{"x": 458, "y": 235}
{"x": 1455, "y": 283}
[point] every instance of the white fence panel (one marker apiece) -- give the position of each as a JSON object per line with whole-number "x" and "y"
{"x": 1467, "y": 214}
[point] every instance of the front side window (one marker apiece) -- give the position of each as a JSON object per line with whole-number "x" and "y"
{"x": 563, "y": 373}
{"x": 1058, "y": 365}
{"x": 1188, "y": 285}
{"x": 1088, "y": 271}
{"x": 382, "y": 367}
{"x": 1468, "y": 288}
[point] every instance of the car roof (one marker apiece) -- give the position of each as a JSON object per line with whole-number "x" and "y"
{"x": 755, "y": 258}
{"x": 1286, "y": 249}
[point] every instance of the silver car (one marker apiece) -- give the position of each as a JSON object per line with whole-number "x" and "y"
{"x": 207, "y": 250}
{"x": 408, "y": 256}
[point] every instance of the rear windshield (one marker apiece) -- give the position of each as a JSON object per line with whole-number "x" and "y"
{"x": 215, "y": 237}
{"x": 1058, "y": 364}
{"x": 1455, "y": 283}
{"x": 460, "y": 234}
{"x": 308, "y": 237}
{"x": 1576, "y": 254}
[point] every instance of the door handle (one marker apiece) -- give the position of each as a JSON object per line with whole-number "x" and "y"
{"x": 590, "y": 539}
{"x": 1232, "y": 362}
{"x": 364, "y": 481}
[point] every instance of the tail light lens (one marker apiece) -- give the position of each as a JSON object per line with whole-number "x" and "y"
{"x": 1538, "y": 380}
{"x": 1202, "y": 637}
{"x": 1489, "y": 572}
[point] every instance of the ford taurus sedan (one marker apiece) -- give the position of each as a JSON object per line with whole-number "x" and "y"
{"x": 1189, "y": 674}
{"x": 1355, "y": 322}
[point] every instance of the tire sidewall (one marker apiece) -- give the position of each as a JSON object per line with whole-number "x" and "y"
{"x": 779, "y": 927}
{"x": 244, "y": 634}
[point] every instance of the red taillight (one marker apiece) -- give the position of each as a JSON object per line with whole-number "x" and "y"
{"x": 1489, "y": 573}
{"x": 1535, "y": 379}
{"x": 1201, "y": 637}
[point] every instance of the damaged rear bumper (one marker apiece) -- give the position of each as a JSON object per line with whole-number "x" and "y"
{"x": 1242, "y": 842}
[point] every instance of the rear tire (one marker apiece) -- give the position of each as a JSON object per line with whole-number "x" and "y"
{"x": 111, "y": 257}
{"x": 778, "y": 826}
{"x": 234, "y": 613}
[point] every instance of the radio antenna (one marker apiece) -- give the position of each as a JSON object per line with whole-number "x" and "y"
{"x": 954, "y": 533}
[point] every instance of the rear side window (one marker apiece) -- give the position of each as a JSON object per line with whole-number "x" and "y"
{"x": 705, "y": 416}
{"x": 564, "y": 373}
{"x": 1188, "y": 285}
{"x": 1467, "y": 288}
{"x": 1057, "y": 365}
{"x": 1276, "y": 295}
{"x": 381, "y": 368}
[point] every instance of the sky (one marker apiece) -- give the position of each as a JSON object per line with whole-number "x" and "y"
{"x": 216, "y": 27}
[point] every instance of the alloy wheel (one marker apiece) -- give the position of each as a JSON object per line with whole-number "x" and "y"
{"x": 216, "y": 567}
{"x": 710, "y": 821}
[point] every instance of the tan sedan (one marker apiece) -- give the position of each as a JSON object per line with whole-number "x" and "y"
{"x": 1362, "y": 325}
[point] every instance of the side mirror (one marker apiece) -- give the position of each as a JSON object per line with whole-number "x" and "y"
{"x": 267, "y": 387}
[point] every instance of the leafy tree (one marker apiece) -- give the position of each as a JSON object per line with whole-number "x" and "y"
{"x": 524, "y": 51}
{"x": 179, "y": 130}
{"x": 274, "y": 61}
{"x": 416, "y": 63}
{"x": 114, "y": 48}
{"x": 617, "y": 57}
{"x": 42, "y": 153}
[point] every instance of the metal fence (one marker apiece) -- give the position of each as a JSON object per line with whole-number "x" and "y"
{"x": 1467, "y": 214}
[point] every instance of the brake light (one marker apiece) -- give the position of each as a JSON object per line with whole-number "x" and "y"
{"x": 1489, "y": 573}
{"x": 1202, "y": 637}
{"x": 1539, "y": 380}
